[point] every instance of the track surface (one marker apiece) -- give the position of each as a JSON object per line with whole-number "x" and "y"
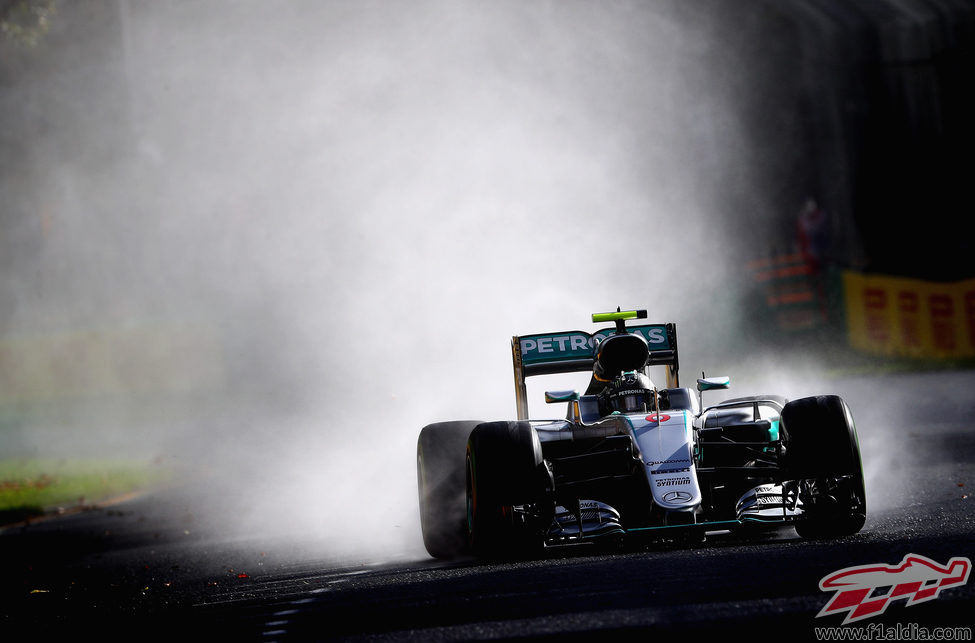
{"x": 135, "y": 570}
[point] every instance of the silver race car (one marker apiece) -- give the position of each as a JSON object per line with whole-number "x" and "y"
{"x": 632, "y": 463}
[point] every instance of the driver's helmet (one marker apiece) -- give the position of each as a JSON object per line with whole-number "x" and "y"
{"x": 629, "y": 392}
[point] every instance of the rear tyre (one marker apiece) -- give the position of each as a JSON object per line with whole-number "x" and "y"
{"x": 440, "y": 481}
{"x": 823, "y": 457}
{"x": 504, "y": 470}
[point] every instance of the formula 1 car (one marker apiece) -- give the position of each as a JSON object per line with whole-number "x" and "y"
{"x": 630, "y": 462}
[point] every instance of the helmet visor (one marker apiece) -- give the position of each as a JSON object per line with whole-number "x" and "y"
{"x": 634, "y": 402}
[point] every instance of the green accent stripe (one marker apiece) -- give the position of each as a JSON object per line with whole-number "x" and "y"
{"x": 624, "y": 314}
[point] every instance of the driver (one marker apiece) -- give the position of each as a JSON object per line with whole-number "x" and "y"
{"x": 618, "y": 354}
{"x": 618, "y": 374}
{"x": 629, "y": 392}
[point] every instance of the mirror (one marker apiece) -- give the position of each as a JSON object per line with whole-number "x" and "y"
{"x": 551, "y": 397}
{"x": 713, "y": 383}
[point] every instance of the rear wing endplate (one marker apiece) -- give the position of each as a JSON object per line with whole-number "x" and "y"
{"x": 572, "y": 351}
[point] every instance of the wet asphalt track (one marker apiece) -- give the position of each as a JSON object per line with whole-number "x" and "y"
{"x": 134, "y": 572}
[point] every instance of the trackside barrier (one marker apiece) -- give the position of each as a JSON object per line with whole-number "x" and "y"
{"x": 792, "y": 290}
{"x": 909, "y": 317}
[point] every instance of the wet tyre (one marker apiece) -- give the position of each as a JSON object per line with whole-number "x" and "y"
{"x": 823, "y": 457}
{"x": 504, "y": 461}
{"x": 440, "y": 457}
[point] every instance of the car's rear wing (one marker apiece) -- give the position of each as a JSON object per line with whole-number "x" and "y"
{"x": 572, "y": 351}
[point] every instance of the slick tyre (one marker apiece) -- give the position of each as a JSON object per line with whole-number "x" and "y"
{"x": 502, "y": 472}
{"x": 823, "y": 457}
{"x": 440, "y": 456}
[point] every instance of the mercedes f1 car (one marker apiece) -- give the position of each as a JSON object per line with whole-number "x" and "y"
{"x": 631, "y": 462}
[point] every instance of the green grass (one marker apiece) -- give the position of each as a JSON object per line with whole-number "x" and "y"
{"x": 33, "y": 487}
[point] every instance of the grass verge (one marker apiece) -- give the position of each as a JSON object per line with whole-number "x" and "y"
{"x": 33, "y": 487}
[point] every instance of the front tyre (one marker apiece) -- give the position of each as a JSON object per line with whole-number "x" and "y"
{"x": 823, "y": 458}
{"x": 504, "y": 465}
